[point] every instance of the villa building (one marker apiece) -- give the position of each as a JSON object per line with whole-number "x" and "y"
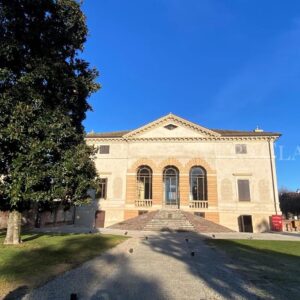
{"x": 225, "y": 176}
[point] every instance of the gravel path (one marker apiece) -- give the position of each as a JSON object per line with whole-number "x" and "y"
{"x": 160, "y": 267}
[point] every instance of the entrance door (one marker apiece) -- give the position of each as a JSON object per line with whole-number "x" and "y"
{"x": 171, "y": 187}
{"x": 245, "y": 223}
{"x": 100, "y": 218}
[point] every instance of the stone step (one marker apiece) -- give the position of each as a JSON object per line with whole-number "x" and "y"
{"x": 169, "y": 224}
{"x": 155, "y": 228}
{"x": 169, "y": 219}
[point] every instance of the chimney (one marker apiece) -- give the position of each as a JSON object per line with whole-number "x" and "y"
{"x": 258, "y": 129}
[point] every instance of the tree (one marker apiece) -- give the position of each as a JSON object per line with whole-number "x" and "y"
{"x": 290, "y": 203}
{"x": 44, "y": 86}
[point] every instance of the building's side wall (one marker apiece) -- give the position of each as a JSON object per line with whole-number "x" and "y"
{"x": 254, "y": 166}
{"x": 112, "y": 166}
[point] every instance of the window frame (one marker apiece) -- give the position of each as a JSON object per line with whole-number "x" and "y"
{"x": 204, "y": 184}
{"x": 238, "y": 190}
{"x": 244, "y": 148}
{"x": 105, "y": 183}
{"x": 141, "y": 178}
{"x": 104, "y": 147}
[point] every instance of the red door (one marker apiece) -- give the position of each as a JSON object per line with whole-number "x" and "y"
{"x": 100, "y": 219}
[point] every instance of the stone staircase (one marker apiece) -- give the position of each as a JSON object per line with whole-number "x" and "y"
{"x": 169, "y": 220}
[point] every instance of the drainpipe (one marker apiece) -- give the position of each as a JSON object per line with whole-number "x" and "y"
{"x": 272, "y": 172}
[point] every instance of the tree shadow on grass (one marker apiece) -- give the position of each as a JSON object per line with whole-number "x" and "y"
{"x": 18, "y": 293}
{"x": 2, "y": 233}
{"x": 35, "y": 265}
{"x": 32, "y": 237}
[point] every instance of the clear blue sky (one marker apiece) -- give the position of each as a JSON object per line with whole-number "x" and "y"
{"x": 222, "y": 64}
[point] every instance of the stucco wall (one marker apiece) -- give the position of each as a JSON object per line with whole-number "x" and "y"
{"x": 224, "y": 168}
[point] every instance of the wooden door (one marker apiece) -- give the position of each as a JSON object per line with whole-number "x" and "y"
{"x": 99, "y": 218}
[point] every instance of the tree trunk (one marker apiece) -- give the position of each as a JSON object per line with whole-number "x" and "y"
{"x": 13, "y": 234}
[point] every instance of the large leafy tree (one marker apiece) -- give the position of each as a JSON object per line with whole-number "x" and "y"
{"x": 44, "y": 86}
{"x": 290, "y": 203}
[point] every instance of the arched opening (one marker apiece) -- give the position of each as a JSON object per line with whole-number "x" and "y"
{"x": 171, "y": 184}
{"x": 198, "y": 184}
{"x": 144, "y": 183}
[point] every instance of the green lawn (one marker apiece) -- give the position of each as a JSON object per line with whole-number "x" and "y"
{"x": 43, "y": 256}
{"x": 273, "y": 266}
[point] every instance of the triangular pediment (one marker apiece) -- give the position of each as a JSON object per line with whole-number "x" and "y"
{"x": 171, "y": 126}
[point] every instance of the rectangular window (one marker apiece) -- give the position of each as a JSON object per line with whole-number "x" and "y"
{"x": 244, "y": 189}
{"x": 104, "y": 149}
{"x": 103, "y": 188}
{"x": 241, "y": 149}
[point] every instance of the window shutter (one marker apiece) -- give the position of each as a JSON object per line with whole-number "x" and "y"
{"x": 244, "y": 189}
{"x": 241, "y": 149}
{"x": 104, "y": 149}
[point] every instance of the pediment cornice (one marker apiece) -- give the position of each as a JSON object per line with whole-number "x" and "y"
{"x": 171, "y": 119}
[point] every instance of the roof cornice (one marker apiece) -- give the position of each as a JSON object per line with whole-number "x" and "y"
{"x": 183, "y": 139}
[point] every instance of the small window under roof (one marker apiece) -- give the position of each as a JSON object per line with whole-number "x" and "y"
{"x": 170, "y": 126}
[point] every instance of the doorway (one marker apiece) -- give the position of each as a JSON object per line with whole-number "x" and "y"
{"x": 171, "y": 183}
{"x": 245, "y": 223}
{"x": 99, "y": 218}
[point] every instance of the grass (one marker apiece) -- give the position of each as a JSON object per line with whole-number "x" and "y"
{"x": 43, "y": 256}
{"x": 268, "y": 264}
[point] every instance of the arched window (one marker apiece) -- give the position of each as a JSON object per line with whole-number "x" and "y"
{"x": 198, "y": 184}
{"x": 144, "y": 183}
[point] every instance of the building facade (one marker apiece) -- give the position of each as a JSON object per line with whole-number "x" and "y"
{"x": 228, "y": 177}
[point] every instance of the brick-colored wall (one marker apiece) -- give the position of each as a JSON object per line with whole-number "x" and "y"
{"x": 184, "y": 189}
{"x": 131, "y": 189}
{"x": 212, "y": 192}
{"x": 212, "y": 216}
{"x": 28, "y": 217}
{"x": 157, "y": 189}
{"x": 128, "y": 214}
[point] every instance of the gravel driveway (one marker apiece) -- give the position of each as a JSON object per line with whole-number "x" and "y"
{"x": 162, "y": 266}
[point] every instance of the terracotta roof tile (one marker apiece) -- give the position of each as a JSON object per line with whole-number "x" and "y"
{"x": 244, "y": 133}
{"x": 114, "y": 134}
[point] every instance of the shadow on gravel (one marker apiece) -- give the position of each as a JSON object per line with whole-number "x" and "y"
{"x": 202, "y": 261}
{"x": 229, "y": 276}
{"x": 266, "y": 264}
{"x": 127, "y": 284}
{"x": 94, "y": 282}
{"x": 247, "y": 273}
